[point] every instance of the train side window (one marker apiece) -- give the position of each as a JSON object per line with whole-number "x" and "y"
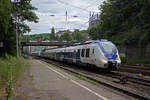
{"x": 74, "y": 54}
{"x": 79, "y": 52}
{"x": 87, "y": 52}
{"x": 93, "y": 51}
{"x": 71, "y": 54}
{"x": 82, "y": 53}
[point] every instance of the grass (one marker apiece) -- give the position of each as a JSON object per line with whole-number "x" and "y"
{"x": 11, "y": 69}
{"x": 81, "y": 77}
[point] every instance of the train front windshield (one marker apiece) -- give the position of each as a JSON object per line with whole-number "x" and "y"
{"x": 109, "y": 48}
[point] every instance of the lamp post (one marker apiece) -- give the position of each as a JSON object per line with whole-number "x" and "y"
{"x": 17, "y": 20}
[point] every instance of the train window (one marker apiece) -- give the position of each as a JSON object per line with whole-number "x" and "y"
{"x": 82, "y": 53}
{"x": 93, "y": 51}
{"x": 109, "y": 48}
{"x": 67, "y": 54}
{"x": 70, "y": 54}
{"x": 78, "y": 52}
{"x": 74, "y": 54}
{"x": 87, "y": 52}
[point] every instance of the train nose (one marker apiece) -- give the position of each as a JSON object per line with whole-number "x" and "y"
{"x": 112, "y": 65}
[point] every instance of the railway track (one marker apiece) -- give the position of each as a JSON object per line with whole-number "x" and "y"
{"x": 130, "y": 85}
{"x": 135, "y": 69}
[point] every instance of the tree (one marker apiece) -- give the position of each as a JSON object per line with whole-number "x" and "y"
{"x": 23, "y": 11}
{"x": 42, "y": 37}
{"x": 125, "y": 22}
{"x": 77, "y": 35}
{"x": 57, "y": 38}
{"x": 5, "y": 12}
{"x": 9, "y": 12}
{"x": 66, "y": 36}
{"x": 52, "y": 35}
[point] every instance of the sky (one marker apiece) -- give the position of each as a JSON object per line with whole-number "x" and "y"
{"x": 58, "y": 8}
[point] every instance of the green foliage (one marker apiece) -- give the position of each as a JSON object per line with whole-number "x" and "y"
{"x": 123, "y": 59}
{"x": 57, "y": 37}
{"x": 11, "y": 99}
{"x": 5, "y": 11}
{"x": 96, "y": 33}
{"x": 52, "y": 35}
{"x": 125, "y": 22}
{"x": 81, "y": 77}
{"x": 137, "y": 60}
{"x": 41, "y": 37}
{"x": 11, "y": 69}
{"x": 66, "y": 36}
{"x": 77, "y": 35}
{"x": 5, "y": 24}
{"x": 10, "y": 12}
{"x": 24, "y": 11}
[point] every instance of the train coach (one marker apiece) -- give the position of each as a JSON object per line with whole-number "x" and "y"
{"x": 95, "y": 53}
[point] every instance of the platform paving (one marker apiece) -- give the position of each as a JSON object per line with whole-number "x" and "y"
{"x": 51, "y": 83}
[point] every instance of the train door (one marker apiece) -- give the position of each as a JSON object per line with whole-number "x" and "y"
{"x": 74, "y": 56}
{"x": 82, "y": 55}
{"x": 93, "y": 54}
{"x": 78, "y": 56}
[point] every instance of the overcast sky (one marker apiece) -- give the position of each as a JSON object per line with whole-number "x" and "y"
{"x": 58, "y": 8}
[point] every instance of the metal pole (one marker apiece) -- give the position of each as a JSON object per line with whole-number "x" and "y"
{"x": 66, "y": 20}
{"x": 17, "y": 38}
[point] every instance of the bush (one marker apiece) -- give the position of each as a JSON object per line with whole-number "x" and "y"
{"x": 123, "y": 59}
{"x": 11, "y": 69}
{"x": 134, "y": 60}
{"x": 138, "y": 61}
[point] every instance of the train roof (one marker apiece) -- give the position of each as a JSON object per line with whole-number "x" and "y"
{"x": 81, "y": 43}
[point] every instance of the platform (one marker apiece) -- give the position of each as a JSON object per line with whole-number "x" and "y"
{"x": 51, "y": 83}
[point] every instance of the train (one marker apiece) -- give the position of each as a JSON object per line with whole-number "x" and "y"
{"x": 95, "y": 53}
